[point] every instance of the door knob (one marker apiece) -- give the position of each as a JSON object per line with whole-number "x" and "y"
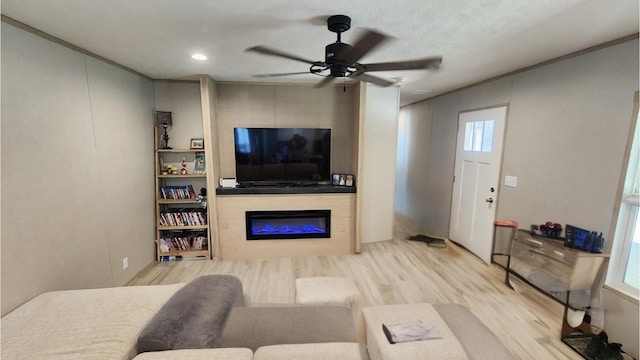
{"x": 489, "y": 200}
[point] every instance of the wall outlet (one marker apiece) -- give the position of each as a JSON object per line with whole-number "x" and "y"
{"x": 511, "y": 181}
{"x": 125, "y": 263}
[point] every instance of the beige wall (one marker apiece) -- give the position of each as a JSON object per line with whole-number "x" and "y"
{"x": 377, "y": 161}
{"x": 77, "y": 189}
{"x": 260, "y": 105}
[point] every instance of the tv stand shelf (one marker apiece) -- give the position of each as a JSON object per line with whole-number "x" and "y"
{"x": 290, "y": 189}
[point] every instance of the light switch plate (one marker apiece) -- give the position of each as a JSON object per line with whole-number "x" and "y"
{"x": 511, "y": 181}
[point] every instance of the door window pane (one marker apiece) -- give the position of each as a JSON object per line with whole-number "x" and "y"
{"x": 487, "y": 136}
{"x": 478, "y": 136}
{"x": 468, "y": 138}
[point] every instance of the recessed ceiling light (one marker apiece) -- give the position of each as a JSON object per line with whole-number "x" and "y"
{"x": 200, "y": 57}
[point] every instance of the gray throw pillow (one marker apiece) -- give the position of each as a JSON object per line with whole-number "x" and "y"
{"x": 194, "y": 317}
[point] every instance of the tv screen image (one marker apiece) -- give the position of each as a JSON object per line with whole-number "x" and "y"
{"x": 282, "y": 155}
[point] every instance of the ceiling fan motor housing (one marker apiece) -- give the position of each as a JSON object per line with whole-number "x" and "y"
{"x": 334, "y": 52}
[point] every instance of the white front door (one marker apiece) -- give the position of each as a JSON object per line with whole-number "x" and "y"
{"x": 476, "y": 179}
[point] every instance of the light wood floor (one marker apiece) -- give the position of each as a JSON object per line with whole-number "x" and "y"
{"x": 400, "y": 271}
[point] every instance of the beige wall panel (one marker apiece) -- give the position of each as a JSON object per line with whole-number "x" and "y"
{"x": 242, "y": 105}
{"x": 123, "y": 125}
{"x": 378, "y": 163}
{"x": 53, "y": 232}
{"x": 232, "y": 230}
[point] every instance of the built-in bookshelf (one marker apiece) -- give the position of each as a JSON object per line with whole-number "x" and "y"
{"x": 181, "y": 212}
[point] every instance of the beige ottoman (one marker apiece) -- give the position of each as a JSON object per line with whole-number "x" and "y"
{"x": 198, "y": 354}
{"x": 321, "y": 351}
{"x": 462, "y": 334}
{"x": 327, "y": 290}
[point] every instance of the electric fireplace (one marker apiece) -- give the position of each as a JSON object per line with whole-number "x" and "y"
{"x": 288, "y": 224}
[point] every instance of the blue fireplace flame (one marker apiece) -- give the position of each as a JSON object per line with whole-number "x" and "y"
{"x": 286, "y": 229}
{"x": 288, "y": 224}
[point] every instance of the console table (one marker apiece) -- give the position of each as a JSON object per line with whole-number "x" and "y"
{"x": 563, "y": 273}
{"x": 567, "y": 275}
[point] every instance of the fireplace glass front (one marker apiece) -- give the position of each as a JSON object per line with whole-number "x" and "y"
{"x": 289, "y": 224}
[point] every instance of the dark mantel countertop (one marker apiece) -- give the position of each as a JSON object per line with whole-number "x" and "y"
{"x": 286, "y": 189}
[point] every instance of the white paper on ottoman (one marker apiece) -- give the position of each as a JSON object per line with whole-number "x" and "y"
{"x": 448, "y": 347}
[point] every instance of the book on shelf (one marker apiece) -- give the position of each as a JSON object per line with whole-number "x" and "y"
{"x": 185, "y": 192}
{"x": 183, "y": 241}
{"x": 183, "y": 217}
{"x": 170, "y": 258}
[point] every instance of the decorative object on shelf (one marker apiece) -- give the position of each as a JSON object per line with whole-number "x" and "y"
{"x": 183, "y": 171}
{"x": 228, "y": 182}
{"x": 169, "y": 169}
{"x": 583, "y": 239}
{"x": 342, "y": 180}
{"x": 164, "y": 120}
{"x": 196, "y": 143}
{"x": 201, "y": 199}
{"x": 548, "y": 229}
{"x": 199, "y": 166}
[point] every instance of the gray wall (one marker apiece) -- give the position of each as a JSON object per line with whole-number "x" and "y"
{"x": 183, "y": 100}
{"x": 565, "y": 139}
{"x": 566, "y": 132}
{"x": 77, "y": 165}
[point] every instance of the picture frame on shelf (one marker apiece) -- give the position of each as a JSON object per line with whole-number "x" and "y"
{"x": 199, "y": 164}
{"x": 335, "y": 179}
{"x": 343, "y": 179}
{"x": 196, "y": 143}
{"x": 348, "y": 180}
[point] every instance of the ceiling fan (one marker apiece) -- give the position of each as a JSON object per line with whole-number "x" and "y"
{"x": 341, "y": 59}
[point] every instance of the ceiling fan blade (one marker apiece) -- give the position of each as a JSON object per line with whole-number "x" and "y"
{"x": 273, "y": 52}
{"x": 324, "y": 82}
{"x": 373, "y": 79}
{"x": 426, "y": 63}
{"x": 367, "y": 42}
{"x": 279, "y": 74}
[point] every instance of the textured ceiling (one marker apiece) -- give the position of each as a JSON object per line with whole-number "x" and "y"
{"x": 478, "y": 39}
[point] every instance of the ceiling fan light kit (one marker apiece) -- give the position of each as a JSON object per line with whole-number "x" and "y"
{"x": 341, "y": 59}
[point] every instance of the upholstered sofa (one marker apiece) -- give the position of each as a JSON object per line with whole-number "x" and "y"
{"x": 208, "y": 319}
{"x": 204, "y": 319}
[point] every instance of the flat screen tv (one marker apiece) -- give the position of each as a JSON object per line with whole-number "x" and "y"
{"x": 282, "y": 155}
